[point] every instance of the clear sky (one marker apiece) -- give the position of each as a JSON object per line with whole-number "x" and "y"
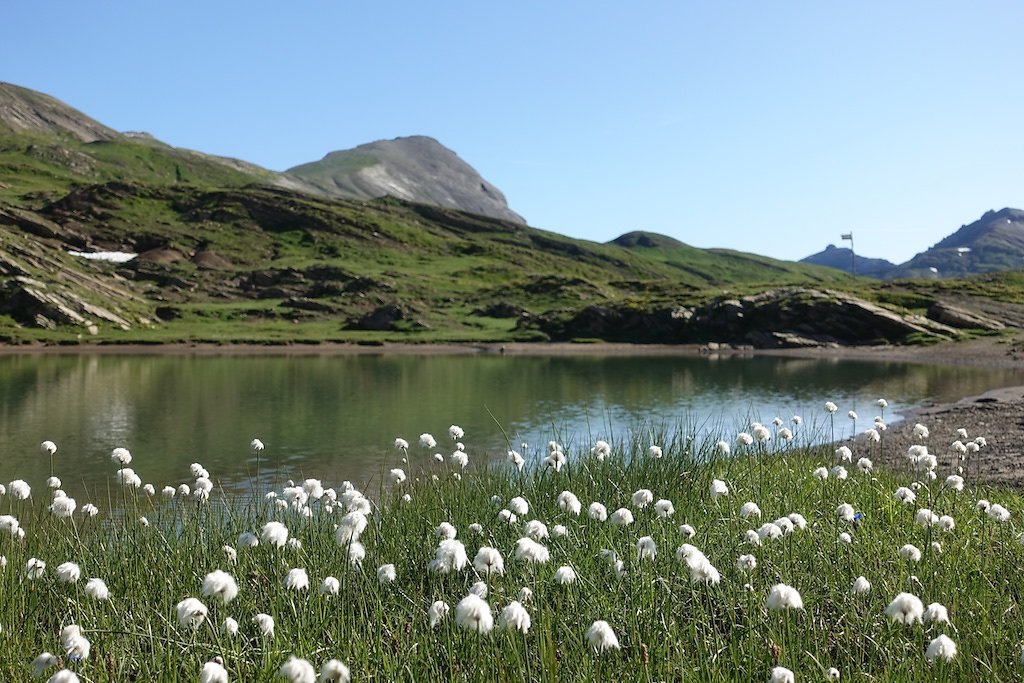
{"x": 769, "y": 127}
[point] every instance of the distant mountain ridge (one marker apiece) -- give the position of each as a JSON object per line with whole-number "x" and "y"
{"x": 843, "y": 258}
{"x": 417, "y": 169}
{"x": 994, "y": 242}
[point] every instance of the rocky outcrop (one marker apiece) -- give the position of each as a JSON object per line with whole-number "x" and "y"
{"x": 784, "y": 317}
{"x": 961, "y": 318}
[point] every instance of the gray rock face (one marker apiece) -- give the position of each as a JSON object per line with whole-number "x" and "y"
{"x": 24, "y": 110}
{"x": 417, "y": 169}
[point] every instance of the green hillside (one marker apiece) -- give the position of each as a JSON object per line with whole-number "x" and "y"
{"x": 229, "y": 252}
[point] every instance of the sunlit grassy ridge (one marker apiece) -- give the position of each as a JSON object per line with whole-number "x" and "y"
{"x": 668, "y": 626}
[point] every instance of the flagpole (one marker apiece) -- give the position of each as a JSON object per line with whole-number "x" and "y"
{"x": 853, "y": 255}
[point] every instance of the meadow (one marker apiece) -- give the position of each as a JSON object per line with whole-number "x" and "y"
{"x": 665, "y": 556}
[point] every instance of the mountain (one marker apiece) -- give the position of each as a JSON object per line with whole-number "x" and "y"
{"x": 416, "y": 169}
{"x": 840, "y": 257}
{"x": 217, "y": 250}
{"x": 27, "y": 111}
{"x": 994, "y": 242}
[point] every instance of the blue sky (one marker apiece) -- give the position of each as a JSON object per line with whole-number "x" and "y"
{"x": 764, "y": 127}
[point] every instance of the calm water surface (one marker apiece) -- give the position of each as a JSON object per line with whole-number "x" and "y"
{"x": 335, "y": 417}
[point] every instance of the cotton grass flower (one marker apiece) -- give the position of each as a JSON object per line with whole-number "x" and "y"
{"x": 597, "y": 512}
{"x": 519, "y": 505}
{"x": 845, "y": 512}
{"x": 35, "y": 569}
{"x": 247, "y": 539}
{"x": 514, "y": 618}
{"x": 488, "y": 561}
{"x": 275, "y": 533}
{"x": 642, "y": 498}
{"x": 437, "y": 612}
{"x": 229, "y": 627}
{"x": 905, "y": 608}
{"x": 386, "y": 573}
{"x": 568, "y": 502}
{"x": 601, "y": 450}
{"x": 750, "y": 510}
{"x": 42, "y": 663}
{"x": 507, "y": 516}
{"x": 121, "y": 456}
{"x": 845, "y": 538}
{"x": 445, "y": 530}
{"x": 90, "y": 510}
{"x": 220, "y": 584}
{"x": 904, "y": 495}
{"x": 564, "y": 576}
{"x": 334, "y": 671}
{"x": 646, "y": 548}
{"x": 925, "y": 518}
{"x": 213, "y": 671}
{"x": 865, "y": 465}
{"x": 479, "y": 589}
{"x": 536, "y": 530}
{"x": 265, "y": 624}
{"x": 832, "y": 674}
{"x": 717, "y": 489}
{"x": 820, "y": 473}
{"x": 723, "y": 447}
{"x": 474, "y": 614}
{"x": 746, "y": 563}
{"x": 191, "y": 613}
{"x": 76, "y": 646}
{"x": 780, "y": 674}
{"x": 68, "y": 572}
{"x": 356, "y": 554}
{"x": 955, "y": 482}
{"x": 19, "y": 490}
{"x": 910, "y": 552}
{"x": 942, "y": 648}
{"x": 427, "y": 441}
{"x": 687, "y": 531}
{"x": 558, "y": 531}
{"x": 769, "y": 531}
{"x": 861, "y": 586}
{"x": 783, "y": 597}
{"x": 654, "y": 452}
{"x": 935, "y": 613}
{"x": 449, "y": 556}
{"x": 297, "y": 671}
{"x": 621, "y": 517}
{"x": 601, "y": 637}
{"x": 350, "y": 528}
{"x": 998, "y": 513}
{"x": 97, "y": 589}
{"x": 330, "y": 586}
{"x": 528, "y": 550}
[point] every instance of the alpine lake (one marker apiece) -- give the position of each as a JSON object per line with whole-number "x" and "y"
{"x": 336, "y": 417}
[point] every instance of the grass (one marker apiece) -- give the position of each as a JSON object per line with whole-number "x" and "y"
{"x": 668, "y": 627}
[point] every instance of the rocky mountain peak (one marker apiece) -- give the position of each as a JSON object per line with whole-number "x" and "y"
{"x": 416, "y": 168}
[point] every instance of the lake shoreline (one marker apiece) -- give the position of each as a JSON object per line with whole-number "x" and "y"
{"x": 984, "y": 352}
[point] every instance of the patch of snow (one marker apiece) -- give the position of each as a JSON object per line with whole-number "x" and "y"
{"x": 111, "y": 256}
